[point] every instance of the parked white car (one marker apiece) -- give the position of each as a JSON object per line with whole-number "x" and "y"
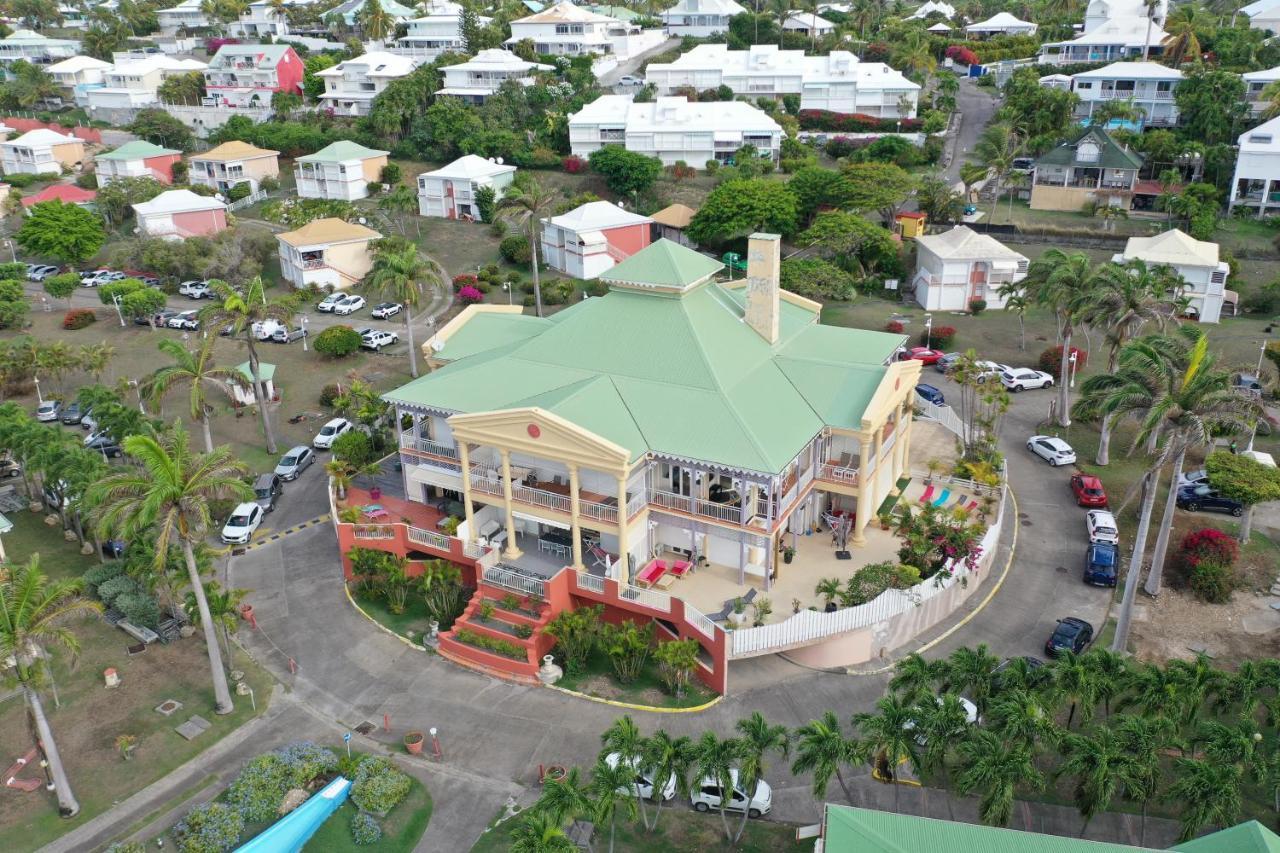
{"x": 385, "y": 310}
{"x": 49, "y": 410}
{"x": 1194, "y": 478}
{"x": 349, "y": 303}
{"x": 1051, "y": 449}
{"x": 330, "y": 432}
{"x": 377, "y": 339}
{"x": 98, "y": 277}
{"x": 244, "y": 520}
{"x": 706, "y": 797}
{"x": 643, "y": 784}
{"x": 196, "y": 289}
{"x": 264, "y": 330}
{"x": 189, "y": 320}
{"x": 1102, "y": 526}
{"x": 1023, "y": 378}
{"x": 327, "y": 304}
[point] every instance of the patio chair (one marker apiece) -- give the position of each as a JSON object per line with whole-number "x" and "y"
{"x": 971, "y": 507}
{"x": 942, "y": 498}
{"x": 959, "y": 502}
{"x": 680, "y": 568}
{"x": 599, "y": 556}
{"x": 650, "y": 574}
{"x": 928, "y": 494}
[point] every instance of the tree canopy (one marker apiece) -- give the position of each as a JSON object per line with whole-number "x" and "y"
{"x": 737, "y": 208}
{"x": 1211, "y": 104}
{"x": 66, "y": 232}
{"x": 625, "y": 172}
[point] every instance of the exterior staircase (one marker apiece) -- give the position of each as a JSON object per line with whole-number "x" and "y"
{"x": 500, "y": 626}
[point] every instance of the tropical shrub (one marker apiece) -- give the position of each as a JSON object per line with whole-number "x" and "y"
{"x": 101, "y": 574}
{"x": 390, "y": 174}
{"x": 139, "y": 609}
{"x": 573, "y": 164}
{"x": 109, "y": 591}
{"x": 260, "y": 788}
{"x": 364, "y": 829}
{"x": 595, "y": 287}
{"x": 940, "y": 337}
{"x": 328, "y": 394}
{"x": 627, "y": 647}
{"x": 506, "y": 648}
{"x": 815, "y": 278}
{"x": 1212, "y": 582}
{"x": 854, "y": 122}
{"x": 241, "y": 190}
{"x": 676, "y": 661}
{"x": 872, "y": 579}
{"x": 78, "y": 318}
{"x": 977, "y": 306}
{"x": 470, "y": 295}
{"x": 575, "y": 633}
{"x": 1051, "y": 360}
{"x": 209, "y": 828}
{"x": 893, "y": 327}
{"x": 307, "y": 762}
{"x": 1205, "y": 561}
{"x": 515, "y": 249}
{"x": 465, "y": 279}
{"x": 337, "y": 341}
{"x": 378, "y": 786}
{"x": 962, "y": 55}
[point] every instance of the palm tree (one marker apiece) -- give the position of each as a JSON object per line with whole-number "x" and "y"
{"x": 1271, "y": 98}
{"x": 668, "y": 759}
{"x": 913, "y": 676}
{"x": 1242, "y": 691}
{"x": 973, "y": 673}
{"x": 1155, "y": 692}
{"x": 1020, "y": 715}
{"x": 1073, "y": 679}
{"x": 757, "y": 738}
{"x": 781, "y": 10}
{"x": 57, "y": 360}
{"x": 529, "y": 202}
{"x": 995, "y": 768}
{"x": 997, "y": 148}
{"x": 1020, "y": 673}
{"x": 1207, "y": 792}
{"x": 224, "y": 608}
{"x": 197, "y": 370}
{"x": 401, "y": 274}
{"x": 713, "y": 759}
{"x": 1065, "y": 283}
{"x": 1239, "y": 745}
{"x": 376, "y": 22}
{"x": 566, "y": 798}
{"x": 1145, "y": 740}
{"x": 94, "y": 359}
{"x": 168, "y": 493}
{"x": 403, "y": 202}
{"x": 822, "y": 749}
{"x": 1016, "y": 300}
{"x": 624, "y": 740}
{"x": 538, "y": 833}
{"x": 610, "y": 793}
{"x": 888, "y": 738}
{"x": 1196, "y": 680}
{"x": 241, "y": 310}
{"x": 1100, "y": 765}
{"x": 34, "y": 611}
{"x": 943, "y": 721}
{"x": 829, "y": 589}
{"x": 1151, "y": 6}
{"x": 914, "y": 55}
{"x": 1182, "y": 25}
{"x": 1110, "y": 674}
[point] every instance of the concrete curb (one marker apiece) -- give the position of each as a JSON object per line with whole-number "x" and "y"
{"x": 636, "y": 707}
{"x": 383, "y": 628}
{"x": 276, "y": 537}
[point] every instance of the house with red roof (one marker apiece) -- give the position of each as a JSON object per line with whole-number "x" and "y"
{"x": 65, "y": 193}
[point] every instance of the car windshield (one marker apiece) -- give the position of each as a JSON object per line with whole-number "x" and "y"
{"x": 328, "y": 430}
{"x": 289, "y": 461}
{"x": 1092, "y": 490}
{"x": 263, "y": 493}
{"x": 238, "y": 521}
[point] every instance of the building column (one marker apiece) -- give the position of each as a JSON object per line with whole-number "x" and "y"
{"x": 865, "y": 487}
{"x": 575, "y": 525}
{"x": 464, "y": 459}
{"x": 624, "y": 574}
{"x": 512, "y": 551}
{"x": 906, "y": 418}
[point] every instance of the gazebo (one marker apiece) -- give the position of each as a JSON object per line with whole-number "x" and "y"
{"x": 670, "y": 223}
{"x": 243, "y": 396}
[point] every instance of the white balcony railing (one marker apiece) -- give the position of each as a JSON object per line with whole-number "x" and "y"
{"x": 836, "y": 474}
{"x": 426, "y": 445}
{"x": 430, "y": 538}
{"x": 696, "y": 506}
{"x": 591, "y": 582}
{"x": 646, "y": 597}
{"x": 507, "y": 579}
{"x": 699, "y": 620}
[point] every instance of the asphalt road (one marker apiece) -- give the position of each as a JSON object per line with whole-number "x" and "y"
{"x": 977, "y": 106}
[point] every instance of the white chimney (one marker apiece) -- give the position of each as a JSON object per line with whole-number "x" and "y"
{"x": 764, "y": 259}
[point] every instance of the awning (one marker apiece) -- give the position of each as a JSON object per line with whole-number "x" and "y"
{"x": 537, "y": 520}
{"x": 432, "y": 476}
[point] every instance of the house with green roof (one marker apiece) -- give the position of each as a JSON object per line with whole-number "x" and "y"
{"x": 342, "y": 170}
{"x": 1089, "y": 167}
{"x": 846, "y": 829}
{"x": 137, "y": 159}
{"x": 676, "y": 419}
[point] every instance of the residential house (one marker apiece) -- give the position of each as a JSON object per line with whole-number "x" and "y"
{"x": 1056, "y": 81}
{"x": 673, "y": 129}
{"x": 1255, "y": 83}
{"x": 837, "y": 82}
{"x": 1098, "y": 12}
{"x": 931, "y": 7}
{"x": 485, "y": 73}
{"x": 40, "y": 152}
{"x": 1196, "y": 261}
{"x": 188, "y": 16}
{"x": 341, "y": 170}
{"x": 79, "y": 74}
{"x": 1001, "y": 24}
{"x": 955, "y": 267}
{"x": 351, "y": 10}
{"x": 450, "y": 192}
{"x": 1114, "y": 40}
{"x": 260, "y": 20}
{"x": 74, "y": 17}
{"x": 568, "y": 30}
{"x": 700, "y": 18}
{"x": 351, "y": 86}
{"x": 437, "y": 31}
{"x": 35, "y": 48}
{"x": 178, "y": 214}
{"x": 590, "y": 239}
{"x": 65, "y": 193}
{"x": 327, "y": 253}
{"x": 243, "y": 75}
{"x": 1263, "y": 15}
{"x": 670, "y": 224}
{"x": 808, "y": 25}
{"x": 232, "y": 163}
{"x": 674, "y": 417}
{"x": 1089, "y": 168}
{"x": 137, "y": 159}
{"x": 1148, "y": 86}
{"x": 1257, "y": 178}
{"x": 135, "y": 83}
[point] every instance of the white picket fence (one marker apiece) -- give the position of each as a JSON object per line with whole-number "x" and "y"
{"x": 253, "y": 198}
{"x": 944, "y": 415}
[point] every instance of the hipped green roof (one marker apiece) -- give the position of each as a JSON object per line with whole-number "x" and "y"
{"x": 138, "y": 149}
{"x": 1249, "y": 837}
{"x": 663, "y": 264}
{"x": 682, "y": 375}
{"x": 1110, "y": 154}
{"x": 266, "y": 372}
{"x": 340, "y": 152}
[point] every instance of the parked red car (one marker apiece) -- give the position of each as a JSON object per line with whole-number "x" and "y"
{"x": 1088, "y": 490}
{"x": 924, "y": 354}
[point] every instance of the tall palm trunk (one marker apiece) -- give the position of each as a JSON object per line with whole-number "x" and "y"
{"x": 221, "y": 694}
{"x": 413, "y": 351}
{"x": 208, "y": 436}
{"x": 68, "y": 806}
{"x": 1104, "y": 442}
{"x": 1166, "y": 529}
{"x": 1064, "y": 378}
{"x": 258, "y": 396}
{"x": 533, "y": 260}
{"x": 844, "y": 786}
{"x": 724, "y": 820}
{"x": 742, "y": 824}
{"x": 1150, "y": 483}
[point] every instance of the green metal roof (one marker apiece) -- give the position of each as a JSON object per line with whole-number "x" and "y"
{"x": 1111, "y": 154}
{"x": 663, "y": 264}
{"x": 340, "y": 152}
{"x": 1250, "y": 837}
{"x": 138, "y": 149}
{"x": 266, "y": 372}
{"x": 851, "y": 830}
{"x": 680, "y": 374}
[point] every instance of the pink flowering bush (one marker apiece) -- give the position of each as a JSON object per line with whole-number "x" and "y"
{"x": 469, "y": 295}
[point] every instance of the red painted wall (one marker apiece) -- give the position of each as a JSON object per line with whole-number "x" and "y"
{"x": 22, "y": 125}
{"x": 401, "y": 546}
{"x": 289, "y": 72}
{"x": 202, "y": 222}
{"x": 163, "y": 165}
{"x": 628, "y": 239}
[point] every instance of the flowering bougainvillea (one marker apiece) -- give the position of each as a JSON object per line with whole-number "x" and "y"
{"x": 469, "y": 295}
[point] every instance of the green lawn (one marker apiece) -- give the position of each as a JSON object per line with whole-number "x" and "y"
{"x": 414, "y": 618}
{"x": 400, "y": 830}
{"x": 91, "y": 717}
{"x": 599, "y": 680}
{"x": 679, "y": 830}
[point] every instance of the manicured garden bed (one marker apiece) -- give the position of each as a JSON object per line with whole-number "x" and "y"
{"x": 598, "y": 680}
{"x": 401, "y": 829}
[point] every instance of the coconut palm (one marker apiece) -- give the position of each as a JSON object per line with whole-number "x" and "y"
{"x": 1196, "y": 680}
{"x": 1207, "y": 792}
{"x": 822, "y": 749}
{"x": 566, "y": 798}
{"x": 713, "y": 759}
{"x": 610, "y": 793}
{"x": 1110, "y": 674}
{"x": 914, "y": 55}
{"x": 375, "y": 21}
{"x": 401, "y": 274}
{"x": 756, "y": 739}
{"x": 973, "y": 673}
{"x": 624, "y": 740}
{"x": 1022, "y": 716}
{"x": 1100, "y": 764}
{"x": 1184, "y": 23}
{"x": 997, "y": 148}
{"x": 168, "y": 494}
{"x": 781, "y": 9}
{"x": 241, "y": 308}
{"x": 57, "y": 360}
{"x": 943, "y": 722}
{"x": 538, "y": 833}
{"x": 1073, "y": 679}
{"x": 668, "y": 759}
{"x": 197, "y": 370}
{"x": 1145, "y": 740}
{"x": 1151, "y": 7}
{"x": 1017, "y": 301}
{"x": 94, "y": 359}
{"x": 995, "y": 768}
{"x": 1241, "y": 692}
{"x": 887, "y": 736}
{"x": 529, "y": 203}
{"x": 913, "y": 676}
{"x": 403, "y": 203}
{"x": 34, "y": 611}
{"x": 224, "y": 608}
{"x": 1154, "y": 691}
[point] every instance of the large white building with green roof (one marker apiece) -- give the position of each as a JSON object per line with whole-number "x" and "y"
{"x": 676, "y": 417}
{"x": 342, "y": 170}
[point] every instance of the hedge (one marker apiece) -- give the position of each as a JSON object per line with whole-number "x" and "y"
{"x": 855, "y": 122}
{"x": 78, "y": 318}
{"x": 337, "y": 341}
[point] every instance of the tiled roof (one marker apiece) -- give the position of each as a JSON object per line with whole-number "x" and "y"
{"x": 328, "y": 230}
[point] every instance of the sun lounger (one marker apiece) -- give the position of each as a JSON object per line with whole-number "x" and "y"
{"x": 971, "y": 507}
{"x": 942, "y": 498}
{"x": 724, "y": 612}
{"x": 680, "y": 568}
{"x": 928, "y": 494}
{"x": 649, "y": 575}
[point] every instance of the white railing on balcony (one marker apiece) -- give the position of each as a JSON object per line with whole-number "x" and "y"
{"x": 944, "y": 415}
{"x": 426, "y": 445}
{"x": 430, "y": 537}
{"x": 638, "y": 501}
{"x": 696, "y": 506}
{"x": 836, "y": 474}
{"x": 700, "y": 620}
{"x": 645, "y": 597}
{"x": 591, "y": 582}
{"x": 598, "y": 511}
{"x": 537, "y": 497}
{"x": 507, "y": 579}
{"x": 888, "y": 444}
{"x": 486, "y": 485}
{"x": 474, "y": 550}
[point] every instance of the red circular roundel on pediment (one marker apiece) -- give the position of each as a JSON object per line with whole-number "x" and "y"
{"x": 534, "y": 431}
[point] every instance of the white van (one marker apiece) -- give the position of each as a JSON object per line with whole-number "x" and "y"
{"x": 643, "y": 784}
{"x": 706, "y": 797}
{"x": 265, "y": 329}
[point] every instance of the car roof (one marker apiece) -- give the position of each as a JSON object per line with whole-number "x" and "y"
{"x": 1089, "y": 480}
{"x": 336, "y": 422}
{"x": 246, "y": 507}
{"x": 1101, "y": 515}
{"x": 1075, "y": 622}
{"x": 294, "y": 451}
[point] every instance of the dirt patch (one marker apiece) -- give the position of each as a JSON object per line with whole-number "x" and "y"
{"x": 1172, "y": 625}
{"x": 599, "y": 685}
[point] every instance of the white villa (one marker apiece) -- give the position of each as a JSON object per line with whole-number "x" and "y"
{"x": 439, "y": 30}
{"x": 1114, "y": 40}
{"x": 961, "y": 265}
{"x": 700, "y": 18}
{"x": 79, "y": 74}
{"x": 808, "y": 24}
{"x": 1255, "y": 82}
{"x": 1002, "y": 24}
{"x": 932, "y": 8}
{"x": 450, "y": 192}
{"x": 673, "y": 129}
{"x": 485, "y": 73}
{"x": 837, "y": 82}
{"x": 351, "y": 86}
{"x": 341, "y": 170}
{"x": 41, "y": 151}
{"x": 259, "y": 20}
{"x": 1263, "y": 15}
{"x": 35, "y": 48}
{"x": 1150, "y": 86}
{"x": 1195, "y": 260}
{"x": 567, "y": 30}
{"x": 187, "y": 15}
{"x": 1256, "y": 183}
{"x": 591, "y": 239}
{"x": 135, "y": 83}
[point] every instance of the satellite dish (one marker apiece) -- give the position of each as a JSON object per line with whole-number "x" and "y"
{"x": 621, "y": 205}
{"x": 219, "y": 196}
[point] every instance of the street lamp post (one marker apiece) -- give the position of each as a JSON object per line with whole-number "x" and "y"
{"x": 506, "y": 285}
{"x": 138, "y": 389}
{"x": 928, "y": 331}
{"x": 115, "y": 300}
{"x": 39, "y": 396}
{"x": 304, "y": 332}
{"x": 1262, "y": 351}
{"x": 1072, "y": 363}
{"x": 13, "y": 256}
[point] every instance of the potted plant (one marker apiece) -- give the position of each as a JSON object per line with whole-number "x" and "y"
{"x": 934, "y": 465}
{"x": 413, "y": 742}
{"x": 375, "y": 492}
{"x": 788, "y": 554}
{"x": 126, "y": 744}
{"x": 739, "y": 613}
{"x": 449, "y": 527}
{"x": 886, "y": 520}
{"x": 763, "y": 608}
